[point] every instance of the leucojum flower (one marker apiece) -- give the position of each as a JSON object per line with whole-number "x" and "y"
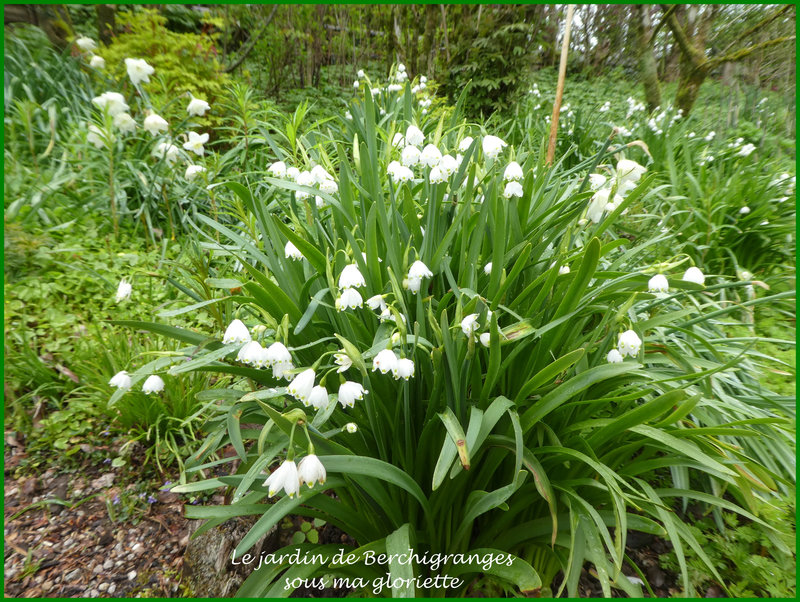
{"x": 139, "y": 71}
{"x": 124, "y": 290}
{"x": 284, "y": 477}
{"x": 658, "y": 284}
{"x": 197, "y": 107}
{"x": 629, "y": 344}
{"x": 153, "y": 384}
{"x": 349, "y": 392}
{"x": 236, "y": 333}
{"x": 121, "y": 380}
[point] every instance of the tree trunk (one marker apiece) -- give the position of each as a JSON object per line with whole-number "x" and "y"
{"x": 689, "y": 87}
{"x": 106, "y": 22}
{"x": 428, "y": 40}
{"x": 647, "y": 62}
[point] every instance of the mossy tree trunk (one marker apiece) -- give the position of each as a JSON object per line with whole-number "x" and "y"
{"x": 647, "y": 61}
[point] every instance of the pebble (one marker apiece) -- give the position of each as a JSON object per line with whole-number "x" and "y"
{"x": 112, "y": 588}
{"x": 102, "y": 587}
{"x": 108, "y": 564}
{"x": 73, "y": 575}
{"x": 98, "y": 568}
{"x": 94, "y": 593}
{"x": 47, "y": 586}
{"x": 138, "y": 548}
{"x": 131, "y": 575}
{"x": 118, "y": 563}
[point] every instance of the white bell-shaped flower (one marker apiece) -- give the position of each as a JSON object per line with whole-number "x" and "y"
{"x": 124, "y": 290}
{"x": 121, "y": 380}
{"x": 97, "y": 62}
{"x": 492, "y": 146}
{"x": 430, "y": 156}
{"x": 318, "y": 398}
{"x": 277, "y": 353}
{"x": 513, "y": 189}
{"x": 277, "y": 169}
{"x": 139, "y": 71}
{"x": 292, "y": 252}
{"x": 385, "y": 361}
{"x": 192, "y": 171}
{"x": 465, "y": 143}
{"x": 629, "y": 343}
{"x": 485, "y": 339}
{"x": 414, "y": 136}
{"x": 349, "y": 392}
{"x": 310, "y": 471}
{"x": 155, "y": 123}
{"x": 410, "y": 156}
{"x": 614, "y": 357}
{"x": 470, "y": 324}
{"x": 419, "y": 270}
{"x": 300, "y": 388}
{"x": 694, "y": 274}
{"x": 236, "y": 333}
{"x": 349, "y": 299}
{"x": 513, "y": 171}
{"x": 197, "y": 107}
{"x": 351, "y": 277}
{"x": 403, "y": 368}
{"x": 284, "y": 477}
{"x": 153, "y": 384}
{"x": 658, "y": 284}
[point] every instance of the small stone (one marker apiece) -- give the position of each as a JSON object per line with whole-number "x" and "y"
{"x": 93, "y": 593}
{"x": 112, "y": 588}
{"x": 131, "y": 575}
{"x": 138, "y": 548}
{"x": 98, "y": 568}
{"x": 118, "y": 563}
{"x": 47, "y": 586}
{"x": 73, "y": 575}
{"x": 108, "y": 564}
{"x": 102, "y": 587}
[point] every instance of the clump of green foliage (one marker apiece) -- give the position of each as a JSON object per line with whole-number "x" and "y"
{"x": 184, "y": 62}
{"x": 748, "y": 560}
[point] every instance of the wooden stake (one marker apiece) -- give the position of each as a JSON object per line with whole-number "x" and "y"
{"x": 562, "y": 74}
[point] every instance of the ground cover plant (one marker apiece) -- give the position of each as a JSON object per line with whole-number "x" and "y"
{"x": 375, "y": 318}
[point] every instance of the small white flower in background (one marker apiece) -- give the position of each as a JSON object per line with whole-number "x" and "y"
{"x": 430, "y": 156}
{"x": 600, "y": 203}
{"x": 398, "y": 140}
{"x": 385, "y": 361}
{"x": 310, "y": 471}
{"x": 124, "y": 290}
{"x": 153, "y": 384}
{"x": 97, "y": 62}
{"x": 485, "y": 339}
{"x": 251, "y": 353}
{"x": 470, "y": 324}
{"x": 394, "y": 88}
{"x": 694, "y": 274}
{"x": 410, "y": 156}
{"x": 464, "y": 145}
{"x": 360, "y": 74}
{"x": 292, "y": 173}
{"x": 596, "y": 180}
{"x": 414, "y": 136}
{"x": 564, "y": 269}
{"x": 304, "y": 179}
{"x": 349, "y": 299}
{"x": 387, "y": 314}
{"x": 513, "y": 189}
{"x": 419, "y": 270}
{"x": 448, "y": 165}
{"x": 403, "y": 368}
{"x": 351, "y": 276}
{"x": 86, "y": 44}
{"x": 629, "y": 343}
{"x": 277, "y": 353}
{"x": 614, "y": 357}
{"x": 492, "y": 146}
{"x": 113, "y": 102}
{"x": 436, "y": 175}
{"x": 401, "y": 67}
{"x": 195, "y": 143}
{"x": 124, "y": 123}
{"x": 121, "y": 380}
{"x": 629, "y": 171}
{"x": 318, "y": 398}
{"x": 375, "y": 303}
{"x": 342, "y": 360}
{"x": 236, "y": 333}
{"x": 300, "y": 387}
{"x": 356, "y": 84}
{"x": 583, "y": 221}
{"x": 351, "y": 427}
{"x": 139, "y": 71}
{"x": 746, "y": 150}
{"x": 658, "y": 284}
{"x": 284, "y": 477}
{"x": 487, "y": 269}
{"x": 192, "y": 171}
{"x": 691, "y": 135}
{"x": 710, "y": 136}
{"x": 349, "y": 392}
{"x": 513, "y": 171}
{"x": 282, "y": 370}
{"x": 375, "y": 92}
{"x": 155, "y": 123}
{"x": 399, "y": 173}
{"x": 329, "y": 187}
{"x": 168, "y": 152}
{"x": 97, "y": 136}
{"x": 197, "y": 107}
{"x": 319, "y": 175}
{"x": 320, "y": 202}
{"x": 292, "y": 252}
{"x": 277, "y": 169}
{"x": 744, "y": 210}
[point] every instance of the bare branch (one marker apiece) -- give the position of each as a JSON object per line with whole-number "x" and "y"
{"x": 761, "y": 24}
{"x": 661, "y": 23}
{"x": 252, "y": 42}
{"x": 684, "y": 43}
{"x": 740, "y": 54}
